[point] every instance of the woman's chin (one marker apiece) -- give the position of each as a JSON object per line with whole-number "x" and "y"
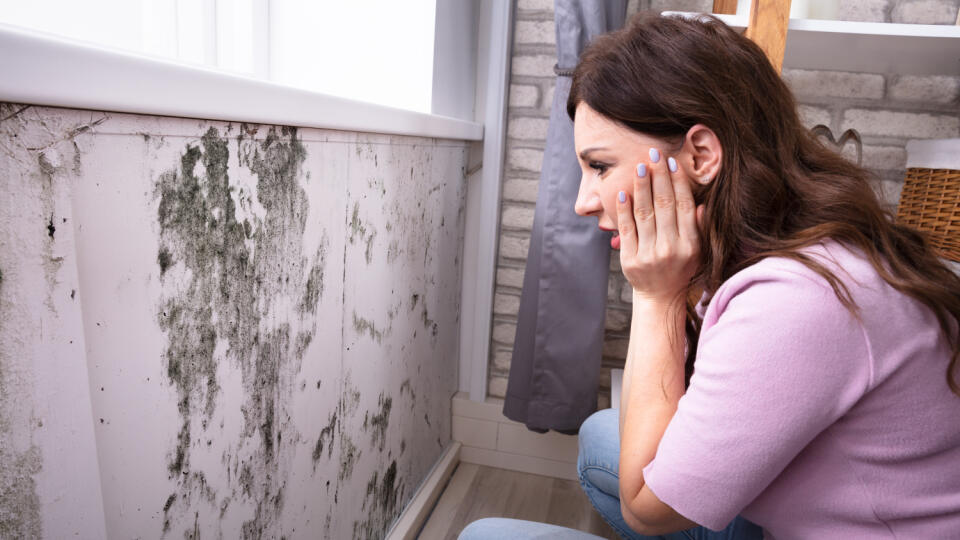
{"x": 615, "y": 241}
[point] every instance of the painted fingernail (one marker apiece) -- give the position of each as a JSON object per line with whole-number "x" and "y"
{"x": 642, "y": 170}
{"x": 672, "y": 163}
{"x": 622, "y": 196}
{"x": 654, "y": 155}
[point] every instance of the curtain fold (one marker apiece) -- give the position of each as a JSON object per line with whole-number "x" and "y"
{"x": 557, "y": 349}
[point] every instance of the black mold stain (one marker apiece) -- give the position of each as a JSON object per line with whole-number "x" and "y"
{"x": 238, "y": 268}
{"x": 363, "y": 326}
{"x": 384, "y": 492}
{"x": 314, "y": 288}
{"x": 326, "y": 438}
{"x": 19, "y": 501}
{"x": 164, "y": 259}
{"x": 50, "y": 228}
{"x": 379, "y": 422}
{"x": 409, "y": 388}
{"x": 362, "y": 232}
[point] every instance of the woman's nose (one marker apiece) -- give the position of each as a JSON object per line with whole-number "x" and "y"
{"x": 587, "y": 203}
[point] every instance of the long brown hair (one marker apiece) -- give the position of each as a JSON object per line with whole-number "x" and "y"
{"x": 779, "y": 189}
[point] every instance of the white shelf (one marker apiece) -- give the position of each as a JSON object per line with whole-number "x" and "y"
{"x": 906, "y": 49}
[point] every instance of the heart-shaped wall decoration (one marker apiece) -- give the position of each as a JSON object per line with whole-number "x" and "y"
{"x": 823, "y": 133}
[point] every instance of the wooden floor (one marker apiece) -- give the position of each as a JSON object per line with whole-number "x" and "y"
{"x": 476, "y": 491}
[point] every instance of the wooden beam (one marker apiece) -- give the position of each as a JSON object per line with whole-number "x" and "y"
{"x": 768, "y": 28}
{"x": 725, "y": 7}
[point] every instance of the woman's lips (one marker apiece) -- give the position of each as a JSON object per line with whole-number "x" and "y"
{"x": 615, "y": 239}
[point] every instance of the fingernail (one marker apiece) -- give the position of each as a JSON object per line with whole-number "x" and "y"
{"x": 654, "y": 155}
{"x": 672, "y": 163}
{"x": 622, "y": 196}
{"x": 642, "y": 170}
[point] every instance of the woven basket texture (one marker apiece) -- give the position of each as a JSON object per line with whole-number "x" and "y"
{"x": 930, "y": 202}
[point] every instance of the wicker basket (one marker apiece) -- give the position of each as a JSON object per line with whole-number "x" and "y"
{"x": 930, "y": 200}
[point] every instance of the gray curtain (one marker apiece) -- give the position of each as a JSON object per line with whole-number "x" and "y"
{"x": 557, "y": 349}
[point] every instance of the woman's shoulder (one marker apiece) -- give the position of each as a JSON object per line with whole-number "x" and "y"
{"x": 783, "y": 279}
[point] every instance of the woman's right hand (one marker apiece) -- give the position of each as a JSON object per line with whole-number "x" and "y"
{"x": 659, "y": 238}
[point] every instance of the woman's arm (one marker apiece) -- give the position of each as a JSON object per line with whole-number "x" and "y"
{"x": 655, "y": 375}
{"x": 659, "y": 252}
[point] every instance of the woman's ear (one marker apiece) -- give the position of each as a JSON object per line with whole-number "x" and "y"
{"x": 706, "y": 154}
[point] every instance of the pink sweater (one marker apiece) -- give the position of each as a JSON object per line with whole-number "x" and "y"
{"x": 807, "y": 421}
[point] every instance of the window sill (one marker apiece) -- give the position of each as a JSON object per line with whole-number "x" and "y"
{"x": 47, "y": 70}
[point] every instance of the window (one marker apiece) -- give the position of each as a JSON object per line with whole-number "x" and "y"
{"x": 377, "y": 51}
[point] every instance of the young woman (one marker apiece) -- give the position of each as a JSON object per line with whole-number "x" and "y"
{"x": 823, "y": 401}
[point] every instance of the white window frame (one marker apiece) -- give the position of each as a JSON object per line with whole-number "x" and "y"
{"x": 45, "y": 69}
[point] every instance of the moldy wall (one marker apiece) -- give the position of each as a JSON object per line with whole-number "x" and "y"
{"x": 221, "y": 330}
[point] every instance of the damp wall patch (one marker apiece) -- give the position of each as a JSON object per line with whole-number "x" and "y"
{"x": 253, "y": 360}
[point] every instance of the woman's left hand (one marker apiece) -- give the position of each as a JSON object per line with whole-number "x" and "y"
{"x": 659, "y": 238}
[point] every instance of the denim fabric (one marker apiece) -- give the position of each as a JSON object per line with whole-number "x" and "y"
{"x": 598, "y": 466}
{"x": 518, "y": 529}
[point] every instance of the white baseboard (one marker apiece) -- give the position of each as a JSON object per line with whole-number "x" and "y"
{"x": 491, "y": 439}
{"x": 408, "y": 525}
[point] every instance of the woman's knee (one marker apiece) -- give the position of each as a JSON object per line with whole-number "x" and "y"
{"x": 599, "y": 435}
{"x": 598, "y": 461}
{"x": 599, "y": 424}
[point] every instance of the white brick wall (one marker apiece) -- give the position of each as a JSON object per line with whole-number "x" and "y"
{"x": 540, "y": 65}
{"x": 520, "y": 189}
{"x": 505, "y": 332}
{"x": 932, "y": 89}
{"x": 517, "y": 217}
{"x": 812, "y": 116}
{"x": 863, "y": 10}
{"x": 527, "y": 128}
{"x": 806, "y": 83}
{"x": 925, "y": 12}
{"x": 888, "y": 109}
{"x": 523, "y": 95}
{"x": 514, "y": 247}
{"x": 525, "y": 159}
{"x": 510, "y": 277}
{"x": 907, "y": 125}
{"x": 535, "y": 5}
{"x": 534, "y": 32}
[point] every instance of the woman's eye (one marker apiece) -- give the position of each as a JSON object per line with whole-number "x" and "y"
{"x": 599, "y": 167}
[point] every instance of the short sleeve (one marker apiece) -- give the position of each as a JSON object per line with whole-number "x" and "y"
{"x": 779, "y": 360}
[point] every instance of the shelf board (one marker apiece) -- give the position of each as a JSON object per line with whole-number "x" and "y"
{"x": 905, "y": 49}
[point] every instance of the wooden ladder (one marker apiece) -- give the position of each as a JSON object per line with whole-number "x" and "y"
{"x": 767, "y": 26}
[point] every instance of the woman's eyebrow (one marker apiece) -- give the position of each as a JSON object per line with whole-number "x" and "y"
{"x": 586, "y": 151}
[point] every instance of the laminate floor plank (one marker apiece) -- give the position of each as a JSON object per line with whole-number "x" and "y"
{"x": 477, "y": 491}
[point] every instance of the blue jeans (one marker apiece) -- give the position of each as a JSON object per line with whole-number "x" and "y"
{"x": 598, "y": 466}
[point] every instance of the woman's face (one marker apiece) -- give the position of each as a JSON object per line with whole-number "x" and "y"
{"x": 609, "y": 154}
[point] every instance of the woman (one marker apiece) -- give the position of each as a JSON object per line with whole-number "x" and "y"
{"x": 824, "y": 399}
